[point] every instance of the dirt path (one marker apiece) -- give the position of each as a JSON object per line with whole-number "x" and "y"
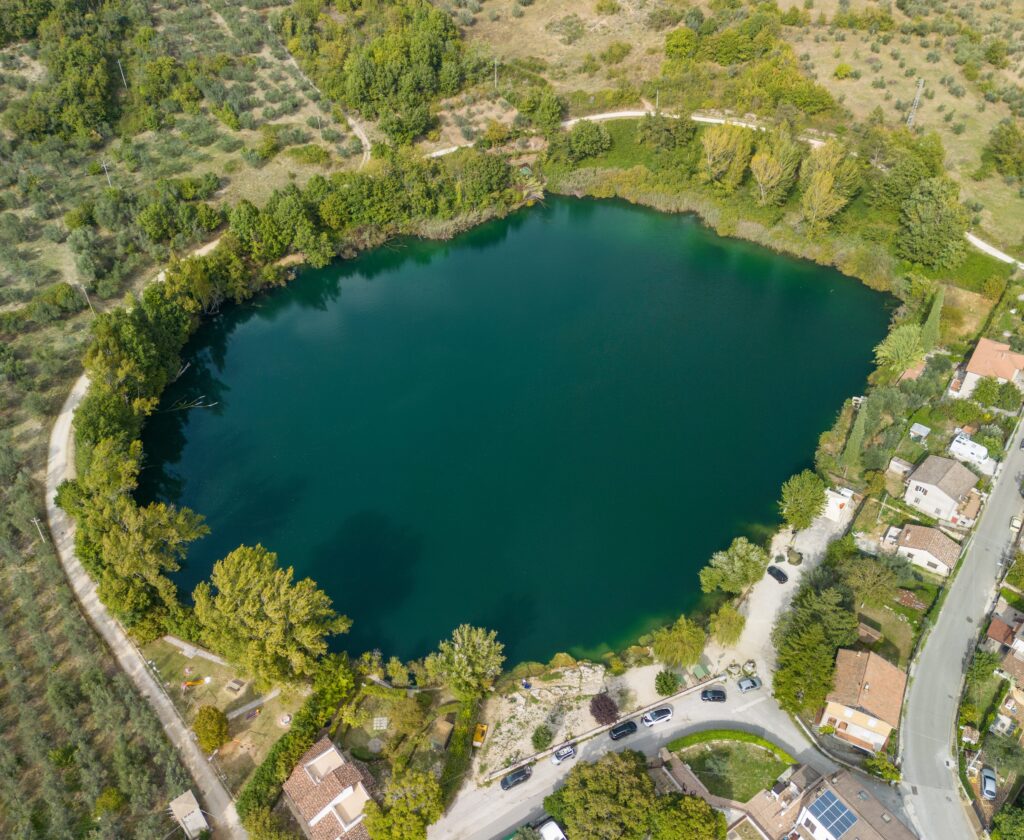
{"x": 60, "y": 465}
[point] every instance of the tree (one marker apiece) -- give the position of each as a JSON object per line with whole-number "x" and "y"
{"x": 542, "y": 738}
{"x": 666, "y": 683}
{"x": 855, "y": 442}
{"x": 1009, "y": 823}
{"x": 820, "y": 200}
{"x": 676, "y": 816}
{"x": 469, "y": 663}
{"x": 774, "y": 168}
{"x": 900, "y": 349}
{"x": 609, "y": 799}
{"x": 1004, "y": 753}
{"x": 930, "y": 330}
{"x": 679, "y": 644}
{"x": 741, "y": 565}
{"x": 110, "y": 801}
{"x": 726, "y": 625}
{"x": 1005, "y": 148}
{"x": 587, "y": 139}
{"x": 880, "y": 766}
{"x": 933, "y": 224}
{"x": 803, "y": 499}
{"x": 726, "y": 151}
{"x": 804, "y": 670}
{"x": 526, "y": 832}
{"x": 981, "y": 667}
{"x": 604, "y": 709}
{"x": 871, "y": 581}
{"x": 411, "y": 802}
{"x": 253, "y": 613}
{"x": 211, "y": 728}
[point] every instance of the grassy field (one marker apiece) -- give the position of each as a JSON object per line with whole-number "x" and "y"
{"x": 734, "y": 771}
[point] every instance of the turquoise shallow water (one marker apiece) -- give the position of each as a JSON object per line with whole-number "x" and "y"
{"x": 545, "y": 426}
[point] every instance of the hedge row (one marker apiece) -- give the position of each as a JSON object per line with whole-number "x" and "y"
{"x": 729, "y": 735}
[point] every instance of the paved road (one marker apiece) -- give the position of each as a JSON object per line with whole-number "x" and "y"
{"x": 486, "y": 813}
{"x": 930, "y": 718}
{"x": 215, "y": 798}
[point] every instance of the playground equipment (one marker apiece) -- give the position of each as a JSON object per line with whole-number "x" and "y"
{"x": 187, "y": 684}
{"x": 255, "y": 712}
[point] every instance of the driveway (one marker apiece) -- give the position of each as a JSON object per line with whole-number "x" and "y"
{"x": 487, "y": 813}
{"x": 929, "y": 720}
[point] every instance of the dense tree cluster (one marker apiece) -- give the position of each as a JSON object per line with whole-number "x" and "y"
{"x": 388, "y": 60}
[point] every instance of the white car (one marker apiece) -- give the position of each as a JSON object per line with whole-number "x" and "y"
{"x": 657, "y": 716}
{"x": 563, "y": 754}
{"x": 1015, "y": 524}
{"x": 988, "y": 783}
{"x": 549, "y": 830}
{"x": 748, "y": 684}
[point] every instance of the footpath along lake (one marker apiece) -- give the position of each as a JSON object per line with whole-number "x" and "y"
{"x": 545, "y": 426}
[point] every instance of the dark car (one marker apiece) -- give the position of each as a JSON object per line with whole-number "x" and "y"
{"x": 516, "y": 777}
{"x": 713, "y": 695}
{"x": 778, "y": 574}
{"x": 621, "y": 730}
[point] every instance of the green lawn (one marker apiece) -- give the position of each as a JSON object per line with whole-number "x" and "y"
{"x": 898, "y": 636}
{"x": 1013, "y": 599}
{"x": 735, "y": 771}
{"x": 625, "y": 151}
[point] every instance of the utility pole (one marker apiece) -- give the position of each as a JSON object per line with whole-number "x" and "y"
{"x": 124, "y": 81}
{"x": 320, "y": 128}
{"x": 86, "y": 295}
{"x": 35, "y": 521}
{"x": 107, "y": 173}
{"x": 495, "y": 74}
{"x": 657, "y": 100}
{"x": 917, "y": 101}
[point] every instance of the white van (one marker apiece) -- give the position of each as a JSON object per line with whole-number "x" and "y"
{"x": 550, "y": 831}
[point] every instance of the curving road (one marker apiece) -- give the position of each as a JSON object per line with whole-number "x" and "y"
{"x": 931, "y": 786}
{"x": 484, "y": 813}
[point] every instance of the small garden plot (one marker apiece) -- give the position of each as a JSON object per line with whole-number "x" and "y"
{"x": 733, "y": 770}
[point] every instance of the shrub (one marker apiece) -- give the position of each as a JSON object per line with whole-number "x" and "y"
{"x": 542, "y": 738}
{"x": 666, "y": 683}
{"x": 211, "y": 728}
{"x": 604, "y": 709}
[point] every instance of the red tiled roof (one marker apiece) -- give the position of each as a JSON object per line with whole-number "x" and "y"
{"x": 1000, "y": 631}
{"x": 311, "y": 797}
{"x": 867, "y": 682}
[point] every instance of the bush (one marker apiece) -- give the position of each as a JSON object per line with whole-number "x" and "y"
{"x": 211, "y": 728}
{"x": 709, "y": 735}
{"x": 666, "y": 683}
{"x": 604, "y": 709}
{"x": 542, "y": 738}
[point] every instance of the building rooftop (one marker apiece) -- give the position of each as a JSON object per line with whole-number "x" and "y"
{"x": 951, "y": 477}
{"x": 993, "y": 358}
{"x": 1000, "y": 631}
{"x": 321, "y": 776}
{"x": 867, "y": 682}
{"x": 932, "y": 540}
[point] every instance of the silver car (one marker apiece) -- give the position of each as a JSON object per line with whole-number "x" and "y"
{"x": 748, "y": 684}
{"x": 563, "y": 754}
{"x": 988, "y": 783}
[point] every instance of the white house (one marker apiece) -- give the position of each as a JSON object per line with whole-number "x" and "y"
{"x": 928, "y": 548}
{"x": 919, "y": 432}
{"x": 944, "y": 489}
{"x": 187, "y": 813}
{"x": 991, "y": 359}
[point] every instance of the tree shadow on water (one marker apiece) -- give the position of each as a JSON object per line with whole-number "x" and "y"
{"x": 370, "y": 560}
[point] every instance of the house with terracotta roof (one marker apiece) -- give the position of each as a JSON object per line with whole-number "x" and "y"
{"x": 864, "y": 705}
{"x": 992, "y": 359}
{"x": 944, "y": 489}
{"x": 327, "y": 793}
{"x": 928, "y": 548}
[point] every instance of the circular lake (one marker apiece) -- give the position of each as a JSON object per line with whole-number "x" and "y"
{"x": 545, "y": 426}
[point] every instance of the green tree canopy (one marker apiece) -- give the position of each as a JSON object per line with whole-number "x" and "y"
{"x": 1009, "y": 823}
{"x": 254, "y": 613}
{"x": 411, "y": 802}
{"x": 679, "y": 644}
{"x": 900, "y": 349}
{"x": 726, "y": 625}
{"x": 741, "y": 565}
{"x": 211, "y": 728}
{"x": 933, "y": 224}
{"x": 609, "y": 799}
{"x": 803, "y": 499}
{"x": 677, "y": 816}
{"x": 469, "y": 662}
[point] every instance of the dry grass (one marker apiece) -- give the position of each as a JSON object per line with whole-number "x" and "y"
{"x": 963, "y": 314}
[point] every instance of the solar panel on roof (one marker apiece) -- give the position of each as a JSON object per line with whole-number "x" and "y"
{"x": 832, "y": 814}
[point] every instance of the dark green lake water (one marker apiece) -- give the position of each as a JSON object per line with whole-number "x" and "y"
{"x": 545, "y": 426}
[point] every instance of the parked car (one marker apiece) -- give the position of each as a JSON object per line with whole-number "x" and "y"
{"x": 1015, "y": 524}
{"x": 621, "y": 730}
{"x": 713, "y": 695}
{"x": 778, "y": 574}
{"x": 516, "y": 777}
{"x": 1022, "y": 444}
{"x": 748, "y": 684}
{"x": 988, "y": 783}
{"x": 657, "y": 716}
{"x": 563, "y": 754}
{"x": 550, "y": 830}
